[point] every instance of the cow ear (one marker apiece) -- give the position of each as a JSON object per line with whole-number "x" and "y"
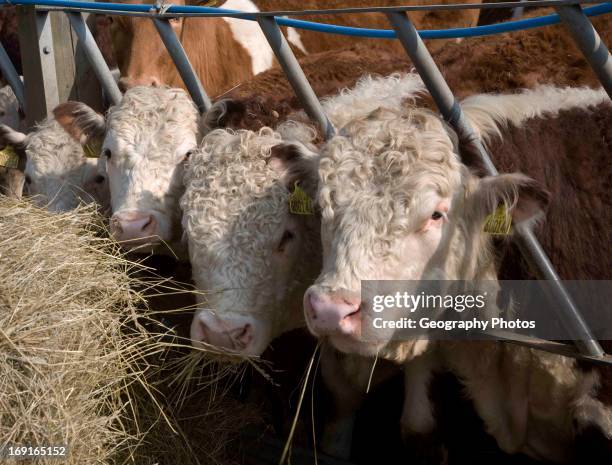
{"x": 522, "y": 197}
{"x": 224, "y": 113}
{"x": 80, "y": 121}
{"x": 297, "y": 163}
{"x": 8, "y": 136}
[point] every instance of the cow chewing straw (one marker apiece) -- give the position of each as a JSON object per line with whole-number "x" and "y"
{"x": 79, "y": 364}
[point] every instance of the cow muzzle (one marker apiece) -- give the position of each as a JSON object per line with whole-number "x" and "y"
{"x": 134, "y": 228}
{"x": 332, "y": 313}
{"x": 240, "y": 334}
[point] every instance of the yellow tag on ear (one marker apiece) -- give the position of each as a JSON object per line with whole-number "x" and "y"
{"x": 299, "y": 202}
{"x": 92, "y": 149}
{"x": 9, "y": 158}
{"x": 208, "y": 3}
{"x": 499, "y": 222}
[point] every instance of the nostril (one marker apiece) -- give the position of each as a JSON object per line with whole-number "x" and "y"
{"x": 155, "y": 82}
{"x": 243, "y": 336}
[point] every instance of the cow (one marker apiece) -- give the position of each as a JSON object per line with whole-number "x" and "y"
{"x": 227, "y": 51}
{"x": 397, "y": 203}
{"x": 146, "y": 139}
{"x": 58, "y": 172}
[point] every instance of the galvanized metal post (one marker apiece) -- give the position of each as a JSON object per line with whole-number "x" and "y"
{"x": 295, "y": 74}
{"x": 94, "y": 56}
{"x": 589, "y": 43}
{"x": 451, "y": 111}
{"x": 38, "y": 62}
{"x": 12, "y": 77}
{"x": 183, "y": 65}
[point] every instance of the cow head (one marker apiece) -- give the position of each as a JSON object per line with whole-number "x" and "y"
{"x": 58, "y": 174}
{"x": 149, "y": 135}
{"x": 397, "y": 204}
{"x": 252, "y": 257}
{"x": 141, "y": 55}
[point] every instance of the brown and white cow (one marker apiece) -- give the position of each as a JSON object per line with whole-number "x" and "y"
{"x": 59, "y": 173}
{"x": 227, "y": 51}
{"x": 397, "y": 203}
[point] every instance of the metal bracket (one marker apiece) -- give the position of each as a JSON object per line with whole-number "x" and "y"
{"x": 183, "y": 65}
{"x": 589, "y": 43}
{"x": 94, "y": 56}
{"x": 295, "y": 75}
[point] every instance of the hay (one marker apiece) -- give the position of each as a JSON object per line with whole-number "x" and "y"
{"x": 66, "y": 354}
{"x": 79, "y": 364}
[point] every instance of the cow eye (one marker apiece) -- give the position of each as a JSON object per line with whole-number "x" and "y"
{"x": 106, "y": 153}
{"x": 285, "y": 239}
{"x": 437, "y": 215}
{"x": 188, "y": 154}
{"x": 99, "y": 179}
{"x": 28, "y": 179}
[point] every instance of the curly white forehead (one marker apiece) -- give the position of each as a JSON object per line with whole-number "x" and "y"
{"x": 52, "y": 150}
{"x": 147, "y": 113}
{"x": 229, "y": 183}
{"x": 388, "y": 159}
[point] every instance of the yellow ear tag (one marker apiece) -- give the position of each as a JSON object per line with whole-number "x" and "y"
{"x": 299, "y": 202}
{"x": 9, "y": 158}
{"x": 498, "y": 223}
{"x": 92, "y": 150}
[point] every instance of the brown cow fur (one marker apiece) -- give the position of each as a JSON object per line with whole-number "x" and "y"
{"x": 489, "y": 64}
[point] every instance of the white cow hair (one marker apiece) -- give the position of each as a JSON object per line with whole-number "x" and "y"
{"x": 58, "y": 167}
{"x": 148, "y": 134}
{"x": 249, "y": 35}
{"x": 234, "y": 206}
{"x": 489, "y": 112}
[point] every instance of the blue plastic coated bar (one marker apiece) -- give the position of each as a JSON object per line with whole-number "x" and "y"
{"x": 453, "y": 33}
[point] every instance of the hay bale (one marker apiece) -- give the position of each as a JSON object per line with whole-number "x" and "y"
{"x": 79, "y": 364}
{"x": 66, "y": 358}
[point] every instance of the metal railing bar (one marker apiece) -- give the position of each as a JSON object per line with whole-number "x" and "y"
{"x": 553, "y": 347}
{"x": 529, "y": 245}
{"x": 96, "y": 60}
{"x": 451, "y": 33}
{"x": 590, "y": 44}
{"x": 12, "y": 77}
{"x": 295, "y": 75}
{"x": 214, "y": 11}
{"x": 183, "y": 65}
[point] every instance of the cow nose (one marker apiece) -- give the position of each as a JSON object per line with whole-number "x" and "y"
{"x": 126, "y": 83}
{"x": 332, "y": 313}
{"x": 206, "y": 328}
{"x": 134, "y": 226}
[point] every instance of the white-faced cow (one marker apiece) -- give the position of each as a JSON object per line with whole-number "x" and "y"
{"x": 397, "y": 204}
{"x": 147, "y": 138}
{"x": 59, "y": 173}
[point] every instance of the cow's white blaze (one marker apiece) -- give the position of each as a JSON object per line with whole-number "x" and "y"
{"x": 149, "y": 136}
{"x": 248, "y": 34}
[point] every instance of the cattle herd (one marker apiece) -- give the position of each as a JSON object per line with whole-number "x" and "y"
{"x": 392, "y": 196}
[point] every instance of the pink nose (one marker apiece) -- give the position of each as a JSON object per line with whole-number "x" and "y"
{"x": 134, "y": 226}
{"x": 126, "y": 83}
{"x": 215, "y": 332}
{"x": 332, "y": 313}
